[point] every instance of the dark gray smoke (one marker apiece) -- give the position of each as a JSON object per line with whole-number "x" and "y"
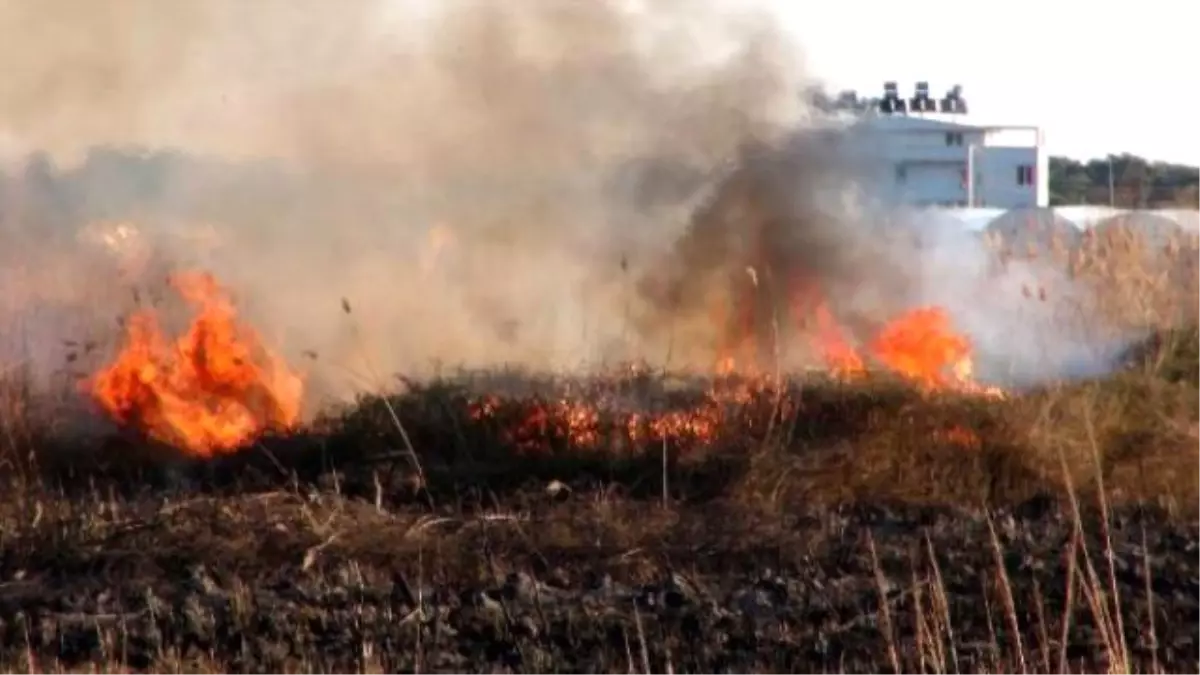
{"x": 786, "y": 217}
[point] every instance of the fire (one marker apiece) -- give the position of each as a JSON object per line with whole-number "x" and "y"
{"x": 840, "y": 357}
{"x": 960, "y": 436}
{"x": 209, "y": 391}
{"x": 920, "y": 345}
{"x": 584, "y": 425}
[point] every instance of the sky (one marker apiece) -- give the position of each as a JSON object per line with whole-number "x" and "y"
{"x": 1098, "y": 78}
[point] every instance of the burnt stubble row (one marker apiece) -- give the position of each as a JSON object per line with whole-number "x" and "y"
{"x": 823, "y": 527}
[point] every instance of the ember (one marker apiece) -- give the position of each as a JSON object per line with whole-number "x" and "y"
{"x": 591, "y": 424}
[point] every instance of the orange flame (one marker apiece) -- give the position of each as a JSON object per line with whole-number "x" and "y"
{"x": 960, "y": 436}
{"x": 840, "y": 357}
{"x": 919, "y": 345}
{"x": 582, "y": 425}
{"x": 212, "y": 390}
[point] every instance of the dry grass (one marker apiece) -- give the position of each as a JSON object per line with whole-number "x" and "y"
{"x": 345, "y": 500}
{"x": 1133, "y": 283}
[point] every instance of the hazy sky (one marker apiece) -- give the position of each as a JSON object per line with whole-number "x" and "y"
{"x": 1097, "y": 77}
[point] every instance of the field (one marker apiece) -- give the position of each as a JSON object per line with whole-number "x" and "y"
{"x": 643, "y": 521}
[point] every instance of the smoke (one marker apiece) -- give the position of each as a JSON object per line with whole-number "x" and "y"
{"x": 395, "y": 188}
{"x": 787, "y": 219}
{"x": 1029, "y": 321}
{"x": 309, "y": 153}
{"x": 794, "y": 223}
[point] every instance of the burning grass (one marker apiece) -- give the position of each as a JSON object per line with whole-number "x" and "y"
{"x": 502, "y": 520}
{"x": 815, "y": 441}
{"x": 884, "y": 513}
{"x": 896, "y": 415}
{"x": 212, "y": 390}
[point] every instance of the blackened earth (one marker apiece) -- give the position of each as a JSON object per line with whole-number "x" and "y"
{"x": 841, "y": 536}
{"x": 252, "y": 585}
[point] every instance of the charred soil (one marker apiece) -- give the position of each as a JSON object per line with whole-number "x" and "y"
{"x": 502, "y": 522}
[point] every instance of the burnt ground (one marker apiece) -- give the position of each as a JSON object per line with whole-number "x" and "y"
{"x": 823, "y": 527}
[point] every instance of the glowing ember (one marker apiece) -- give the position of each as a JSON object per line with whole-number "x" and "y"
{"x": 211, "y": 390}
{"x": 960, "y": 436}
{"x": 726, "y": 365}
{"x": 581, "y": 425}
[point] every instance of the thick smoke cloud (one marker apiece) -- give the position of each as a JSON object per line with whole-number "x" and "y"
{"x": 551, "y": 184}
{"x": 317, "y": 151}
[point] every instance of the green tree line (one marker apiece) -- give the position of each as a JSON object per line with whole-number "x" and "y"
{"x": 1125, "y": 181}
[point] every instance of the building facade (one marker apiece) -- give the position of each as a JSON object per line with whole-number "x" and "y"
{"x": 922, "y": 151}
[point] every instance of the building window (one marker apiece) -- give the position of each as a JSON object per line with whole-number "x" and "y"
{"x": 1025, "y": 174}
{"x": 954, "y": 138}
{"x": 901, "y": 174}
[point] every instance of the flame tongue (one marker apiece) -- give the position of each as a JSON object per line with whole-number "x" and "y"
{"x": 211, "y": 390}
{"x": 919, "y": 345}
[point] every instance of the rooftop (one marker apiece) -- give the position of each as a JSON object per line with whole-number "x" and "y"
{"x": 919, "y": 109}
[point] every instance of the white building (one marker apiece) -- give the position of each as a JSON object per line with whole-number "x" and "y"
{"x": 931, "y": 152}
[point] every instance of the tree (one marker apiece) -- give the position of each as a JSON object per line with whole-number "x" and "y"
{"x": 1125, "y": 180}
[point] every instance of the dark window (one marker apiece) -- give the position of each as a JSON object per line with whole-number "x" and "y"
{"x": 954, "y": 138}
{"x": 1025, "y": 174}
